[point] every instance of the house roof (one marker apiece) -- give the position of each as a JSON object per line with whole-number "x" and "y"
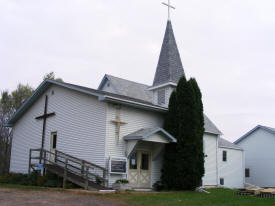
{"x": 223, "y": 143}
{"x": 268, "y": 129}
{"x": 128, "y": 88}
{"x": 169, "y": 68}
{"x": 102, "y": 96}
{"x": 210, "y": 127}
{"x": 146, "y": 132}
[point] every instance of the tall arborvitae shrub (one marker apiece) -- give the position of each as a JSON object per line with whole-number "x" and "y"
{"x": 169, "y": 165}
{"x": 184, "y": 162}
{"x": 199, "y": 105}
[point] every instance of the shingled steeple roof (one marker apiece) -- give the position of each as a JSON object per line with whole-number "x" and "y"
{"x": 169, "y": 67}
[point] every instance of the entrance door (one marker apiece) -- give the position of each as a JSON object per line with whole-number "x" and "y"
{"x": 53, "y": 146}
{"x": 140, "y": 169}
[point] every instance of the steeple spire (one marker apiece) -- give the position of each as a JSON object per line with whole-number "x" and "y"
{"x": 169, "y": 69}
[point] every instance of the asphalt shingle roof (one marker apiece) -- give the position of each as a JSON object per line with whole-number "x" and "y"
{"x": 169, "y": 67}
{"x": 130, "y": 88}
{"x": 226, "y": 144}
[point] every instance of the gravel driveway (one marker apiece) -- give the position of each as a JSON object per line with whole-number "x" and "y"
{"x": 14, "y": 197}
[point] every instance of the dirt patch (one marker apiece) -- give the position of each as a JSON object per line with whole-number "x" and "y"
{"x": 14, "y": 197}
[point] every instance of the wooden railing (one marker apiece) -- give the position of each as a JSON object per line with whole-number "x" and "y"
{"x": 82, "y": 168}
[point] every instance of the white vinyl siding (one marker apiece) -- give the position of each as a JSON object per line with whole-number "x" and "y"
{"x": 80, "y": 122}
{"x": 232, "y": 170}
{"x": 135, "y": 119}
{"x": 210, "y": 165}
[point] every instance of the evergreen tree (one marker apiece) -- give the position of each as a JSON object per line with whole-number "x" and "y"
{"x": 170, "y": 155}
{"x": 183, "y": 166}
{"x": 200, "y": 129}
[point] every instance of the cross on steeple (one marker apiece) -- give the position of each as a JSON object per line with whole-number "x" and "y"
{"x": 169, "y": 7}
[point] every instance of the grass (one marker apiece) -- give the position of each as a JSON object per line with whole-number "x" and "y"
{"x": 218, "y": 197}
{"x": 22, "y": 187}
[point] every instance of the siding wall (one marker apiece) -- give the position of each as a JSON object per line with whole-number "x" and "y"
{"x": 233, "y": 169}
{"x": 80, "y": 123}
{"x": 210, "y": 165}
{"x": 260, "y": 158}
{"x": 136, "y": 119}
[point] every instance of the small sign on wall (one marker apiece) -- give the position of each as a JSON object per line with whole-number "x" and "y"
{"x": 118, "y": 165}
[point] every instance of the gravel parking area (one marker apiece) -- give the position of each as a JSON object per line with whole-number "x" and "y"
{"x": 14, "y": 197}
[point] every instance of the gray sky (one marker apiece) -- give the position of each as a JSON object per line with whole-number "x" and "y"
{"x": 228, "y": 46}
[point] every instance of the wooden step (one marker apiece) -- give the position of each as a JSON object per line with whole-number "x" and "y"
{"x": 74, "y": 178}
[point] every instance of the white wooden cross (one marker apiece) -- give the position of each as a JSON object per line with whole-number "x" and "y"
{"x": 169, "y": 7}
{"x": 118, "y": 123}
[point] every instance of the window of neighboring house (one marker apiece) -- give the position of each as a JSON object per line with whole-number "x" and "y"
{"x": 161, "y": 96}
{"x": 221, "y": 181}
{"x": 247, "y": 172}
{"x": 224, "y": 156}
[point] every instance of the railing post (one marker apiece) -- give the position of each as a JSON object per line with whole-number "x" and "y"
{"x": 82, "y": 167}
{"x": 30, "y": 160}
{"x": 55, "y": 156}
{"x": 104, "y": 177}
{"x": 65, "y": 174}
{"x": 87, "y": 178}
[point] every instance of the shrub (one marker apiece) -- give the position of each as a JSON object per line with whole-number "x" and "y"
{"x": 158, "y": 186}
{"x": 122, "y": 181}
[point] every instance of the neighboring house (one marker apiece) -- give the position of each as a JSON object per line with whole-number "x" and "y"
{"x": 121, "y": 120}
{"x": 259, "y": 146}
{"x": 231, "y": 164}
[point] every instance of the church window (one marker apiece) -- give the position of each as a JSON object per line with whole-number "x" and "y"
{"x": 133, "y": 161}
{"x": 247, "y": 172}
{"x": 54, "y": 139}
{"x": 224, "y": 156}
{"x": 161, "y": 96}
{"x": 221, "y": 181}
{"x": 145, "y": 162}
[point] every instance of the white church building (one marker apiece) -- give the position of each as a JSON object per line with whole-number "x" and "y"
{"x": 117, "y": 127}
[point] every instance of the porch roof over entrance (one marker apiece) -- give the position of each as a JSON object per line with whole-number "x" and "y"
{"x": 144, "y": 133}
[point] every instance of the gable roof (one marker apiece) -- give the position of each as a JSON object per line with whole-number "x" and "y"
{"x": 268, "y": 129}
{"x": 223, "y": 143}
{"x": 146, "y": 132}
{"x": 169, "y": 67}
{"x": 102, "y": 96}
{"x": 128, "y": 88}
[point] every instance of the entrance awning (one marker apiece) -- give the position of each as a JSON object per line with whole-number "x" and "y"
{"x": 153, "y": 135}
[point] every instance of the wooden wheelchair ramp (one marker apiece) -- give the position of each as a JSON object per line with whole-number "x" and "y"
{"x": 80, "y": 172}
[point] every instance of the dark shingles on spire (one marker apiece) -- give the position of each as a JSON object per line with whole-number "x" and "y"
{"x": 169, "y": 67}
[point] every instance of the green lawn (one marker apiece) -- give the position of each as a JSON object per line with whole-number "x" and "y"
{"x": 218, "y": 197}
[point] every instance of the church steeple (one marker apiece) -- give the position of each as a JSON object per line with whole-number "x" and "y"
{"x": 169, "y": 68}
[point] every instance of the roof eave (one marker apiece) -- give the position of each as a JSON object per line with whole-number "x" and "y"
{"x": 133, "y": 104}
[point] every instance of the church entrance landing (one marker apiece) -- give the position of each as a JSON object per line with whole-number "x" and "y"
{"x": 144, "y": 149}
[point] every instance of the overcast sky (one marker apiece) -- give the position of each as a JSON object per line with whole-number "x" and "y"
{"x": 228, "y": 46}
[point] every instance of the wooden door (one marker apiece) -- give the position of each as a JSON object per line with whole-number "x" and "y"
{"x": 139, "y": 172}
{"x": 53, "y": 146}
{"x": 145, "y": 170}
